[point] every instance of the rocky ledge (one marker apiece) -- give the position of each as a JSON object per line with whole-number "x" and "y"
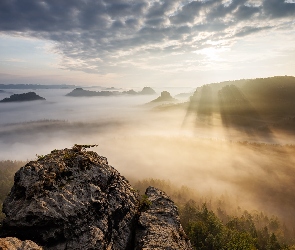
{"x": 72, "y": 199}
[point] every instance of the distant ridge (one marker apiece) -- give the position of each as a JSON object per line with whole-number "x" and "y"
{"x": 30, "y": 96}
{"x": 36, "y": 86}
{"x": 80, "y": 92}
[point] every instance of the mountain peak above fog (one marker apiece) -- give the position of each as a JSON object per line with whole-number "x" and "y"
{"x": 165, "y": 97}
{"x": 30, "y": 96}
{"x": 147, "y": 91}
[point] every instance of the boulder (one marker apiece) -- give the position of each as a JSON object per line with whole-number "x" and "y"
{"x": 71, "y": 199}
{"x": 159, "y": 224}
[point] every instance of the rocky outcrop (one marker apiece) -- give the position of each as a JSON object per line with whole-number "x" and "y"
{"x": 72, "y": 199}
{"x": 147, "y": 91}
{"x": 165, "y": 97}
{"x": 11, "y": 243}
{"x": 30, "y": 96}
{"x": 159, "y": 225}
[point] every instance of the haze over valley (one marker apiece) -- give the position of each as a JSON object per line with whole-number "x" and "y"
{"x": 249, "y": 163}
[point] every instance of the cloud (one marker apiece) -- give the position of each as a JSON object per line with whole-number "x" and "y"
{"x": 245, "y": 12}
{"x": 249, "y": 30}
{"x": 279, "y": 9}
{"x": 114, "y": 31}
{"x": 187, "y": 13}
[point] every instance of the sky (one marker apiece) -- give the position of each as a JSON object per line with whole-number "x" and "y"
{"x": 136, "y": 43}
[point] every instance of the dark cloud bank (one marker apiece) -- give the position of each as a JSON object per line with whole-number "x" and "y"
{"x": 99, "y": 34}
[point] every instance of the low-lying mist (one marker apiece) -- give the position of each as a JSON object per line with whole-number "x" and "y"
{"x": 255, "y": 172}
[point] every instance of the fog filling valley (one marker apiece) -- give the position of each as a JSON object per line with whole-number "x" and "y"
{"x": 255, "y": 172}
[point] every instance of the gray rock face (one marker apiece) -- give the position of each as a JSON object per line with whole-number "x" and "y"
{"x": 71, "y": 199}
{"x": 159, "y": 226}
{"x": 11, "y": 243}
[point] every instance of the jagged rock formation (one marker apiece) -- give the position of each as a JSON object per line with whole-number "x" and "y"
{"x": 72, "y": 199}
{"x": 30, "y": 96}
{"x": 144, "y": 91}
{"x": 159, "y": 225}
{"x": 11, "y": 243}
{"x": 147, "y": 91}
{"x": 165, "y": 97}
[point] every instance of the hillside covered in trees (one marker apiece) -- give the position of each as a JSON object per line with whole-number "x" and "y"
{"x": 210, "y": 224}
{"x": 256, "y": 104}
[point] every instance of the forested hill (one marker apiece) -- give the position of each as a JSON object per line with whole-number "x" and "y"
{"x": 270, "y": 88}
{"x": 269, "y": 82}
{"x": 248, "y": 103}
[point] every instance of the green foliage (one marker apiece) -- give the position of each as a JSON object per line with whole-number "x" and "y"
{"x": 83, "y": 147}
{"x": 68, "y": 155}
{"x": 206, "y": 231}
{"x": 144, "y": 203}
{"x": 202, "y": 227}
{"x": 40, "y": 157}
